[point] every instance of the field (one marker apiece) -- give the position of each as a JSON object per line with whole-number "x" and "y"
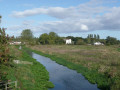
{"x": 101, "y": 63}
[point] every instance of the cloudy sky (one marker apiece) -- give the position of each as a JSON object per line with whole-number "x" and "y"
{"x": 65, "y": 17}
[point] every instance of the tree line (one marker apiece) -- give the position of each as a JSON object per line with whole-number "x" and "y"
{"x": 53, "y": 38}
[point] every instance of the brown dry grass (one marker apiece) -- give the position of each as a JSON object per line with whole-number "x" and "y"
{"x": 103, "y": 58}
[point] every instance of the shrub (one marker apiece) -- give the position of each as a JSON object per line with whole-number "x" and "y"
{"x": 3, "y": 46}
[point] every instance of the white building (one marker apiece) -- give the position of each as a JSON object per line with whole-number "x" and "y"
{"x": 14, "y": 43}
{"x": 68, "y": 41}
{"x": 98, "y": 43}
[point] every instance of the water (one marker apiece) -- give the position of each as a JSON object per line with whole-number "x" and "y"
{"x": 64, "y": 78}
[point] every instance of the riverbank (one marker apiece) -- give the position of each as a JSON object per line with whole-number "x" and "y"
{"x": 29, "y": 76}
{"x": 95, "y": 70}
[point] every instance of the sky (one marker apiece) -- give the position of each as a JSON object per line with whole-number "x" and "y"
{"x": 65, "y": 17}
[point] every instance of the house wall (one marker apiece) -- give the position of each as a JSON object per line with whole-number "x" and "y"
{"x": 68, "y": 41}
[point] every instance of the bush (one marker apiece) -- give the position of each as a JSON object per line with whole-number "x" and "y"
{"x": 4, "y": 50}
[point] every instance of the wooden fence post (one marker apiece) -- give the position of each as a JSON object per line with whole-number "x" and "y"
{"x": 15, "y": 84}
{"x": 5, "y": 86}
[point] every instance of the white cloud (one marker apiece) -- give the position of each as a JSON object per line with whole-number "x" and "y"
{"x": 84, "y": 27}
{"x": 57, "y": 12}
{"x": 85, "y": 17}
{"x": 86, "y": 10}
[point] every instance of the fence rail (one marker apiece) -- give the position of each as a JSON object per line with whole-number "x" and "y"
{"x": 8, "y": 85}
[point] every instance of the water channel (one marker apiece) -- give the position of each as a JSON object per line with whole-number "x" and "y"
{"x": 62, "y": 77}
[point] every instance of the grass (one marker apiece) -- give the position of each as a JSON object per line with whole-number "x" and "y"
{"x": 119, "y": 49}
{"x": 29, "y": 77}
{"x": 99, "y": 64}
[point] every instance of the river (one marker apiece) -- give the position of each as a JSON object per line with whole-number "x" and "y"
{"x": 62, "y": 77}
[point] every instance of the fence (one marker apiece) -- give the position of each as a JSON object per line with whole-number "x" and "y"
{"x": 8, "y": 86}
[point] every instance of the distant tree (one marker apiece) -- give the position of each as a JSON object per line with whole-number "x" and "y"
{"x": 88, "y": 39}
{"x": 91, "y": 38}
{"x": 59, "y": 40}
{"x": 27, "y": 36}
{"x": 111, "y": 41}
{"x": 36, "y": 39}
{"x": 74, "y": 39}
{"x": 80, "y": 42}
{"x": 103, "y": 41}
{"x": 44, "y": 39}
{"x": 70, "y": 37}
{"x": 51, "y": 38}
{"x": 95, "y": 37}
{"x": 88, "y": 36}
{"x": 98, "y": 37}
{"x": 53, "y": 34}
{"x": 91, "y": 35}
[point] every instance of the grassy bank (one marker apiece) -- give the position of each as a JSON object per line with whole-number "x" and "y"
{"x": 99, "y": 64}
{"x": 29, "y": 77}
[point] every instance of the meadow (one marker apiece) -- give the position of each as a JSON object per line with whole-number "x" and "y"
{"x": 99, "y": 64}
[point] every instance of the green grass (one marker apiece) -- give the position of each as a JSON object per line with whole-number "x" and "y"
{"x": 29, "y": 77}
{"x": 119, "y": 49}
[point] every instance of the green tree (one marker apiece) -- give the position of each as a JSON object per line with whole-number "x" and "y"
{"x": 98, "y": 37}
{"x": 88, "y": 39}
{"x": 27, "y": 36}
{"x": 52, "y": 38}
{"x": 80, "y": 42}
{"x": 44, "y": 39}
{"x": 111, "y": 41}
{"x": 95, "y": 37}
{"x": 4, "y": 50}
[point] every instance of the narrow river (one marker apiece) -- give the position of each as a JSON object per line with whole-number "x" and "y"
{"x": 62, "y": 77}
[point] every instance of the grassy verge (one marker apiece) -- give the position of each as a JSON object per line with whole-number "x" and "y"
{"x": 98, "y": 64}
{"x": 29, "y": 77}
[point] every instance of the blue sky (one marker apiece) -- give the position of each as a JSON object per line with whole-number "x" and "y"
{"x": 65, "y": 17}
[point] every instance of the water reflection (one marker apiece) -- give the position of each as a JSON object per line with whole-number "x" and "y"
{"x": 64, "y": 78}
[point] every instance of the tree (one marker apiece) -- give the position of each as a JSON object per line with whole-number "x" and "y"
{"x": 4, "y": 50}
{"x": 111, "y": 41}
{"x": 80, "y": 42}
{"x": 88, "y": 39}
{"x": 98, "y": 37}
{"x": 27, "y": 36}
{"x": 51, "y": 38}
{"x": 44, "y": 39}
